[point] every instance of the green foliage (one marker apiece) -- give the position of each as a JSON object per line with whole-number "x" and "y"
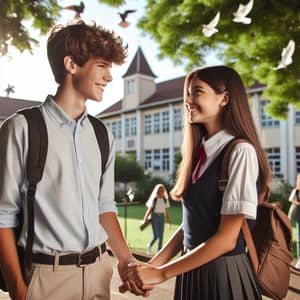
{"x": 178, "y": 158}
{"x": 253, "y": 50}
{"x": 127, "y": 169}
{"x": 282, "y": 195}
{"x": 113, "y": 2}
{"x": 13, "y": 16}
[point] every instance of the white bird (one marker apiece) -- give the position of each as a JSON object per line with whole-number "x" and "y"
{"x": 286, "y": 55}
{"x": 240, "y": 16}
{"x": 210, "y": 28}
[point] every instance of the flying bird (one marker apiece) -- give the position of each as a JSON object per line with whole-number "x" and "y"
{"x": 210, "y": 28}
{"x": 77, "y": 8}
{"x": 124, "y": 15}
{"x": 286, "y": 55}
{"x": 240, "y": 16}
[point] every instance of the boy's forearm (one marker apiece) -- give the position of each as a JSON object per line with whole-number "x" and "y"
{"x": 116, "y": 239}
{"x": 9, "y": 261}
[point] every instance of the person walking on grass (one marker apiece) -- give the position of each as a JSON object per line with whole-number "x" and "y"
{"x": 158, "y": 204}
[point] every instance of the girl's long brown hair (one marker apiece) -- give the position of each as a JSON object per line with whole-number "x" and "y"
{"x": 236, "y": 117}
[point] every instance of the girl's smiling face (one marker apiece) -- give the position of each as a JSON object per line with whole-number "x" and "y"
{"x": 204, "y": 105}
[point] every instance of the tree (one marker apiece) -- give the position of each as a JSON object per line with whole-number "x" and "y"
{"x": 253, "y": 50}
{"x": 127, "y": 169}
{"x": 13, "y": 16}
{"x": 10, "y": 89}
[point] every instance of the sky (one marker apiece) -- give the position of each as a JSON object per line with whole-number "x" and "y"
{"x": 31, "y": 75}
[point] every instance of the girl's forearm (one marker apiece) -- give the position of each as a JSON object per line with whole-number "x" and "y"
{"x": 172, "y": 247}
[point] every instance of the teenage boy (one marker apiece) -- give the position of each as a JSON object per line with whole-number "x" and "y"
{"x": 74, "y": 213}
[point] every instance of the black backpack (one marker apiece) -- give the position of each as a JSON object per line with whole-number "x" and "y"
{"x": 37, "y": 153}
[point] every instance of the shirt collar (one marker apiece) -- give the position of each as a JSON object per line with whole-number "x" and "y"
{"x": 216, "y": 142}
{"x": 60, "y": 116}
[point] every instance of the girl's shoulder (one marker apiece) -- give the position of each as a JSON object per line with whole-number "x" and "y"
{"x": 244, "y": 148}
{"x": 243, "y": 152}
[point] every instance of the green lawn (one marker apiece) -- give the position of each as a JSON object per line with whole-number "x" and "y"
{"x": 138, "y": 240}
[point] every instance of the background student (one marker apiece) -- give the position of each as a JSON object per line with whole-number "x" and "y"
{"x": 158, "y": 204}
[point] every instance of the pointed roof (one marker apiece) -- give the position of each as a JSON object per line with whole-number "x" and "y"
{"x": 139, "y": 65}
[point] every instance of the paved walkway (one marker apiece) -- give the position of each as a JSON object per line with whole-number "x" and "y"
{"x": 165, "y": 291}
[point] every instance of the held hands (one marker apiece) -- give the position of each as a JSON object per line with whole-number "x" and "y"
{"x": 144, "y": 276}
{"x": 131, "y": 285}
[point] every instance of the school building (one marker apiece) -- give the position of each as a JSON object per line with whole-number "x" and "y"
{"x": 147, "y": 123}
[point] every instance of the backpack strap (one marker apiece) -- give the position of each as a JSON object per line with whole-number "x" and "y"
{"x": 102, "y": 139}
{"x": 154, "y": 204}
{"x": 36, "y": 158}
{"x": 222, "y": 185}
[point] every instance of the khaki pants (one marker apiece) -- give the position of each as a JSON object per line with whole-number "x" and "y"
{"x": 90, "y": 282}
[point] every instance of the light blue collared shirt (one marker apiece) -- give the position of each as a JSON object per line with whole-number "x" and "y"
{"x": 69, "y": 198}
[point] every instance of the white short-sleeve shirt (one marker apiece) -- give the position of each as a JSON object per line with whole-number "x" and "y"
{"x": 240, "y": 195}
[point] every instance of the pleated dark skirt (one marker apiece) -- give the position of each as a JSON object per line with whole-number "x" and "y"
{"x": 225, "y": 278}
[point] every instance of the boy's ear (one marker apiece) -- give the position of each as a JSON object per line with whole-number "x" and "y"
{"x": 70, "y": 66}
{"x": 225, "y": 99}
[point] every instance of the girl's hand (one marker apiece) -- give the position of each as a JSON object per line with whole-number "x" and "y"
{"x": 145, "y": 275}
{"x": 132, "y": 286}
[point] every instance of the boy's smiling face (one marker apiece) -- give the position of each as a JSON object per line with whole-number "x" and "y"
{"x": 91, "y": 79}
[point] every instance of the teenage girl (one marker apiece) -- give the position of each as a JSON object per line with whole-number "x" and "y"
{"x": 214, "y": 264}
{"x": 158, "y": 204}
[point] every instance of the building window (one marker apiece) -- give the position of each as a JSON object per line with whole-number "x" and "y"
{"x": 133, "y": 126}
{"x": 165, "y": 159}
{"x": 130, "y": 126}
{"x": 266, "y": 120}
{"x": 156, "y": 160}
{"x": 298, "y": 160}
{"x": 130, "y": 87}
{"x": 297, "y": 117}
{"x": 165, "y": 121}
{"x": 148, "y": 124}
{"x": 127, "y": 129}
{"x": 274, "y": 161}
{"x": 148, "y": 159}
{"x": 177, "y": 119}
{"x": 119, "y": 130}
{"x": 115, "y": 127}
{"x": 156, "y": 123}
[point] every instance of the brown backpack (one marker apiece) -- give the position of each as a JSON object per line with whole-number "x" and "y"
{"x": 270, "y": 241}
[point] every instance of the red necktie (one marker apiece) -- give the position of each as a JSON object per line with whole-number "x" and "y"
{"x": 200, "y": 158}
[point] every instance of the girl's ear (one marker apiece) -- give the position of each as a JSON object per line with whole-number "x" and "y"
{"x": 225, "y": 99}
{"x": 70, "y": 66}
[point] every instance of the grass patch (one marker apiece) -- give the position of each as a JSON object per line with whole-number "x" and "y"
{"x": 138, "y": 240}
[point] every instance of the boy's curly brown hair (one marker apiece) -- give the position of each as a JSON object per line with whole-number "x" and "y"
{"x": 81, "y": 42}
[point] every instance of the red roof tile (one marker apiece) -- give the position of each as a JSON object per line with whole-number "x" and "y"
{"x": 139, "y": 65}
{"x": 9, "y": 106}
{"x": 114, "y": 108}
{"x": 167, "y": 90}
